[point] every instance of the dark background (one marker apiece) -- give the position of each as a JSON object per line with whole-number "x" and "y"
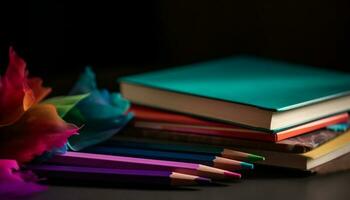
{"x": 57, "y": 39}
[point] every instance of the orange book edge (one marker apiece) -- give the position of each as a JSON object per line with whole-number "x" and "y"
{"x": 162, "y": 120}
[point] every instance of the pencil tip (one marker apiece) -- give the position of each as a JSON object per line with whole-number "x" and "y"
{"x": 232, "y": 174}
{"x": 203, "y": 181}
{"x": 246, "y": 165}
{"x": 254, "y": 158}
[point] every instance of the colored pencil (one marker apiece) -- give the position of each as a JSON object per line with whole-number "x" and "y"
{"x": 193, "y": 148}
{"x": 117, "y": 175}
{"x": 210, "y": 160}
{"x": 109, "y": 161}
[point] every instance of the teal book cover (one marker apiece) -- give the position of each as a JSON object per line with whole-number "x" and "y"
{"x": 271, "y": 85}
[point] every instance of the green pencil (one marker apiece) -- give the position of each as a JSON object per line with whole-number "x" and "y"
{"x": 193, "y": 148}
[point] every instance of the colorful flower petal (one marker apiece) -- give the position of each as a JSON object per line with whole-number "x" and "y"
{"x": 39, "y": 91}
{"x": 17, "y": 93}
{"x": 40, "y": 129}
{"x": 13, "y": 91}
{"x": 102, "y": 114}
{"x": 14, "y": 183}
{"x": 64, "y": 104}
{"x": 97, "y": 132}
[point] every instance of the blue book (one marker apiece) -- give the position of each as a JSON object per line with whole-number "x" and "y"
{"x": 253, "y": 92}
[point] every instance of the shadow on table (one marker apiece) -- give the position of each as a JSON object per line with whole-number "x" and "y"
{"x": 270, "y": 172}
{"x": 260, "y": 172}
{"x": 113, "y": 185}
{"x": 341, "y": 164}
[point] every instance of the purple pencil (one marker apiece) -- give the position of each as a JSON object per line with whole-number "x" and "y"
{"x": 124, "y": 162}
{"x": 117, "y": 175}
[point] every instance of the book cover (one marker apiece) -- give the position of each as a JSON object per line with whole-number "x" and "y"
{"x": 261, "y": 83}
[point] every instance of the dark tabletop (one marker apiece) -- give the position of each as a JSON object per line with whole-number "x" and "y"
{"x": 265, "y": 185}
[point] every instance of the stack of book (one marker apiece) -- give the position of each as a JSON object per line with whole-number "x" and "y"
{"x": 294, "y": 115}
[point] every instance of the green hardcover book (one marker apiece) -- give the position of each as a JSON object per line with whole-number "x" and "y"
{"x": 249, "y": 91}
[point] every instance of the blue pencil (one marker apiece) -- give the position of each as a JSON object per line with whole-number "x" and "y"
{"x": 193, "y": 148}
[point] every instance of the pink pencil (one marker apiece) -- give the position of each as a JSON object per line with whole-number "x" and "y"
{"x": 109, "y": 161}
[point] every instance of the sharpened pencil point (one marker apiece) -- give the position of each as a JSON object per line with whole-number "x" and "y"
{"x": 246, "y": 165}
{"x": 254, "y": 158}
{"x": 203, "y": 181}
{"x": 232, "y": 174}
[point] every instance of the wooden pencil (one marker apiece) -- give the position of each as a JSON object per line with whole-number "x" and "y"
{"x": 210, "y": 160}
{"x": 79, "y": 173}
{"x": 110, "y": 161}
{"x": 193, "y": 148}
